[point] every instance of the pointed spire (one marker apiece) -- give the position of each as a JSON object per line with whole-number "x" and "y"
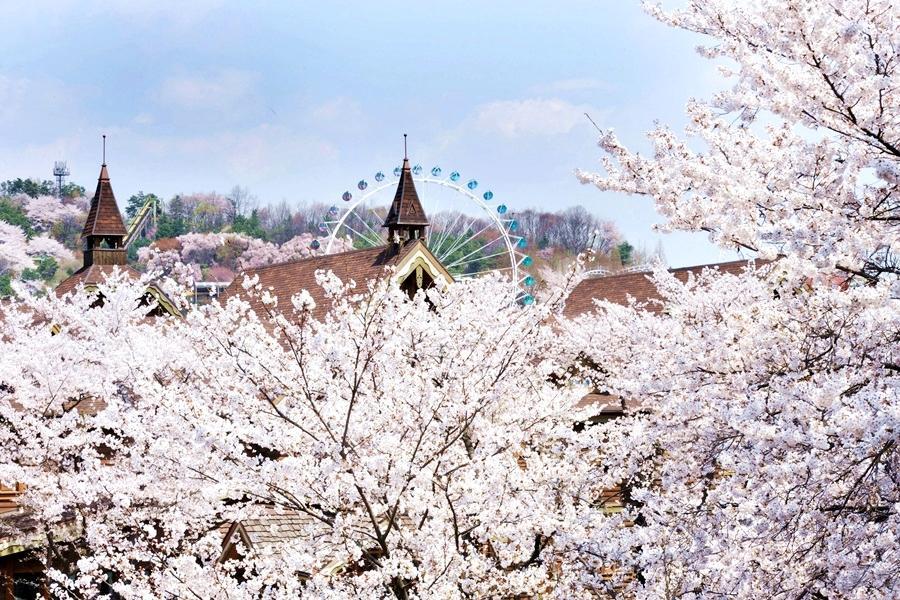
{"x": 104, "y": 218}
{"x": 104, "y": 174}
{"x": 104, "y": 232}
{"x": 406, "y": 209}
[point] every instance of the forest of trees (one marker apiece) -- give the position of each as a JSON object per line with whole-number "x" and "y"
{"x": 36, "y": 209}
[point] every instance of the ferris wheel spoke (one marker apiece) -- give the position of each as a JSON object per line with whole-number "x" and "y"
{"x": 479, "y": 249}
{"x": 426, "y": 196}
{"x": 485, "y": 272}
{"x": 445, "y": 233}
{"x": 460, "y": 240}
{"x": 363, "y": 237}
{"x": 440, "y": 239}
{"x": 463, "y": 240}
{"x": 377, "y": 235}
{"x": 452, "y": 229}
{"x": 461, "y": 262}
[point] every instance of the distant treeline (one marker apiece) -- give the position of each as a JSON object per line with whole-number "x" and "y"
{"x": 572, "y": 230}
{"x": 37, "y": 208}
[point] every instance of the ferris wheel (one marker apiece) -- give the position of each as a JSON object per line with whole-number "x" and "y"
{"x": 471, "y": 231}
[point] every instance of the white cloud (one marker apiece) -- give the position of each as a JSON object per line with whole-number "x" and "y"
{"x": 42, "y": 98}
{"x": 338, "y": 117}
{"x": 177, "y": 13}
{"x": 247, "y": 155}
{"x": 143, "y": 119}
{"x": 340, "y": 108}
{"x": 578, "y": 84}
{"x": 533, "y": 116}
{"x": 223, "y": 90}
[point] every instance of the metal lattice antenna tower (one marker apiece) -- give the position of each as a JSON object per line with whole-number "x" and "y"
{"x": 60, "y": 171}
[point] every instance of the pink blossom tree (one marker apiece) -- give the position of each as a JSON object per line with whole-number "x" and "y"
{"x": 17, "y": 251}
{"x": 763, "y": 460}
{"x": 46, "y": 211}
{"x": 418, "y": 448}
{"x": 225, "y": 254}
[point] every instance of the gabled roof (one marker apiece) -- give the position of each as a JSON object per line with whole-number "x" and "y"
{"x": 104, "y": 218}
{"x": 289, "y": 278}
{"x": 273, "y": 527}
{"x": 618, "y": 288}
{"x": 406, "y": 208}
{"x": 92, "y": 275}
{"x": 277, "y": 528}
{"x": 21, "y": 531}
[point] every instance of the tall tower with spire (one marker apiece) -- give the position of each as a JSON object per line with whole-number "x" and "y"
{"x": 406, "y": 219}
{"x": 103, "y": 244}
{"x": 103, "y": 236}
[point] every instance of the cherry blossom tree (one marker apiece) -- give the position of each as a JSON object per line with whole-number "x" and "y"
{"x": 230, "y": 252}
{"x": 421, "y": 448}
{"x": 45, "y": 211}
{"x": 92, "y": 417}
{"x": 761, "y": 458}
{"x": 13, "y": 249}
{"x": 425, "y": 447}
{"x": 17, "y": 251}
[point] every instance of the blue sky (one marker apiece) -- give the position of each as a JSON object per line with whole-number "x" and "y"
{"x": 299, "y": 100}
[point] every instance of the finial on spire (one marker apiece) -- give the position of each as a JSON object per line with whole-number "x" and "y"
{"x": 404, "y": 147}
{"x": 104, "y": 149}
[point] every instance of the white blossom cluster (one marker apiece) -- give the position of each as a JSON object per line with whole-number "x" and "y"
{"x": 421, "y": 448}
{"x": 224, "y": 254}
{"x": 428, "y": 448}
{"x": 763, "y": 461}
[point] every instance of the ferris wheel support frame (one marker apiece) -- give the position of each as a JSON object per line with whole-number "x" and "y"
{"x": 510, "y": 240}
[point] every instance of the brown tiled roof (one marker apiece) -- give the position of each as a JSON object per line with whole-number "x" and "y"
{"x": 21, "y": 531}
{"x": 91, "y": 275}
{"x": 277, "y": 526}
{"x": 96, "y": 274}
{"x": 605, "y": 403}
{"x": 104, "y": 217}
{"x": 609, "y": 405}
{"x": 167, "y": 244}
{"x": 406, "y": 208}
{"x": 618, "y": 288}
{"x": 289, "y": 278}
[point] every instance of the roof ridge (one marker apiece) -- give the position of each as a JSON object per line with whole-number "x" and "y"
{"x": 317, "y": 257}
{"x": 678, "y": 269}
{"x": 716, "y": 264}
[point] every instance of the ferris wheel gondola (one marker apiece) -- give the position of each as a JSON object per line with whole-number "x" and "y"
{"x": 471, "y": 232}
